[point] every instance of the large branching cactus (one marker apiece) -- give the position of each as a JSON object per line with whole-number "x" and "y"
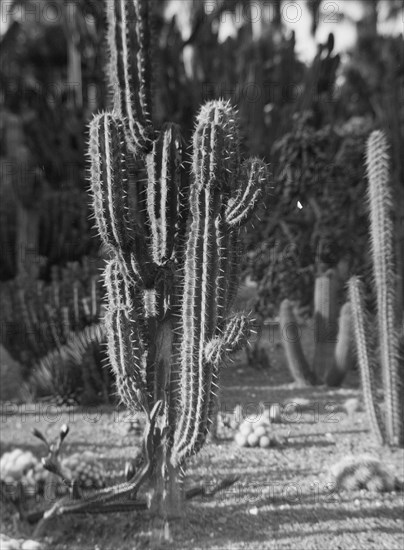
{"x": 384, "y": 350}
{"x": 173, "y": 241}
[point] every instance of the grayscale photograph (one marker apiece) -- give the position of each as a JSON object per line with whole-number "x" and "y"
{"x": 202, "y": 275}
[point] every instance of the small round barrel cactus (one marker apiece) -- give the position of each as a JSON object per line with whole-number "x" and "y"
{"x": 364, "y": 472}
{"x": 86, "y": 470}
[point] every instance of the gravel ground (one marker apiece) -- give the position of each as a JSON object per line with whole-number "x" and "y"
{"x": 282, "y": 501}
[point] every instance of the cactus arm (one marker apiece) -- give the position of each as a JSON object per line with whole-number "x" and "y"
{"x": 198, "y": 319}
{"x": 238, "y": 330}
{"x": 108, "y": 176}
{"x": 128, "y": 65}
{"x": 253, "y": 176}
{"x": 365, "y": 350}
{"x": 296, "y": 360}
{"x": 164, "y": 192}
{"x": 212, "y": 160}
{"x": 240, "y": 208}
{"x": 125, "y": 347}
{"x": 210, "y": 272}
{"x": 109, "y": 186}
{"x": 217, "y": 351}
{"x": 382, "y": 231}
{"x": 144, "y": 12}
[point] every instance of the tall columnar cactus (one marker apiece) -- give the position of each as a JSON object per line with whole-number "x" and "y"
{"x": 333, "y": 345}
{"x": 296, "y": 360}
{"x": 325, "y": 322}
{"x": 390, "y": 426}
{"x": 173, "y": 242}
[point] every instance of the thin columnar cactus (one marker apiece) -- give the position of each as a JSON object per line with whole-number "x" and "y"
{"x": 367, "y": 357}
{"x": 296, "y": 360}
{"x": 325, "y": 322}
{"x": 343, "y": 353}
{"x": 388, "y": 318}
{"x": 333, "y": 343}
{"x": 173, "y": 244}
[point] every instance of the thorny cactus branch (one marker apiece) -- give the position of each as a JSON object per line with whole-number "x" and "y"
{"x": 110, "y": 190}
{"x": 210, "y": 269}
{"x": 166, "y": 194}
{"x": 129, "y": 68}
{"x": 391, "y": 427}
{"x": 125, "y": 346}
{"x": 382, "y": 245}
{"x": 367, "y": 358}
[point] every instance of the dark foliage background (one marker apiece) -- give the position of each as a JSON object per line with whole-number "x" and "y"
{"x": 310, "y": 121}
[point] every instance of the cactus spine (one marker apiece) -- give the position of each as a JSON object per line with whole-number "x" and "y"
{"x": 169, "y": 292}
{"x": 382, "y": 248}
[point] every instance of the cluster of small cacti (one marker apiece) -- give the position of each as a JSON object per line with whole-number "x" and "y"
{"x": 22, "y": 471}
{"x": 384, "y": 348}
{"x": 354, "y": 473}
{"x": 333, "y": 351}
{"x": 14, "y": 465}
{"x": 9, "y": 543}
{"x": 85, "y": 469}
{"x": 256, "y": 434}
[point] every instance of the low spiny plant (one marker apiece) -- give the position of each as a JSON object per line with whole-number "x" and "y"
{"x": 381, "y": 351}
{"x": 363, "y": 472}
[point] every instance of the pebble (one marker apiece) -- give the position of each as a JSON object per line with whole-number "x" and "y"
{"x": 7, "y": 543}
{"x": 10, "y": 544}
{"x": 31, "y": 545}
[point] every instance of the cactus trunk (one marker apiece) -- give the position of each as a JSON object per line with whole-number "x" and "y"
{"x": 296, "y": 360}
{"x": 381, "y": 228}
{"x": 343, "y": 354}
{"x": 325, "y": 323}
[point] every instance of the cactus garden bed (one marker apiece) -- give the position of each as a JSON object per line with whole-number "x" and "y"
{"x": 283, "y": 498}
